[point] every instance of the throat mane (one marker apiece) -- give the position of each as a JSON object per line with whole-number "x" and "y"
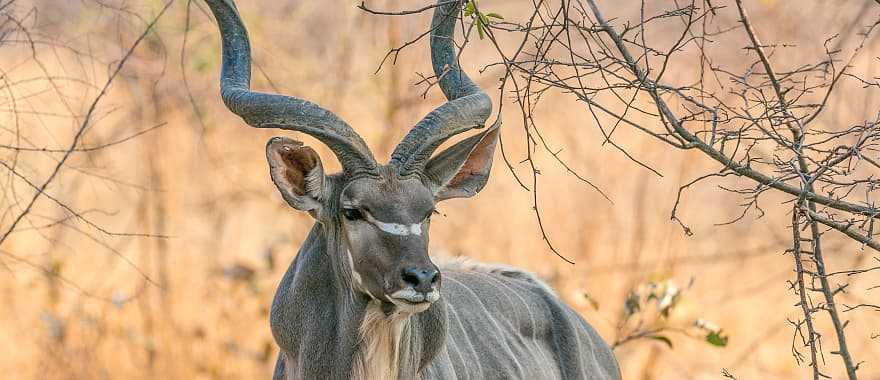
{"x": 381, "y": 336}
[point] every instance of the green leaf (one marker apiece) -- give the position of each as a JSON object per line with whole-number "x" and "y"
{"x": 717, "y": 338}
{"x": 662, "y": 339}
{"x": 484, "y": 20}
{"x": 494, "y": 15}
{"x": 480, "y": 30}
{"x": 470, "y": 8}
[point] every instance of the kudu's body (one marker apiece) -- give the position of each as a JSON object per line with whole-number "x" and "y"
{"x": 491, "y": 323}
{"x": 362, "y": 299}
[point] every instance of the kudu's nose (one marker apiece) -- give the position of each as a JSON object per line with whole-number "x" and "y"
{"x": 422, "y": 279}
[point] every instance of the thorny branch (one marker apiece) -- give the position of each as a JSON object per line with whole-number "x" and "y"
{"x": 85, "y": 122}
{"x": 764, "y": 125}
{"x": 796, "y": 126}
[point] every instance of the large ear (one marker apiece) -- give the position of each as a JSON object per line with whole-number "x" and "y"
{"x": 297, "y": 172}
{"x": 462, "y": 170}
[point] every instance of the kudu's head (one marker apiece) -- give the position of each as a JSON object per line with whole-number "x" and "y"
{"x": 377, "y": 216}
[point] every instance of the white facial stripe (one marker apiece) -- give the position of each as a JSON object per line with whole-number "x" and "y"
{"x": 396, "y": 228}
{"x": 399, "y": 229}
{"x": 354, "y": 273}
{"x": 356, "y": 277}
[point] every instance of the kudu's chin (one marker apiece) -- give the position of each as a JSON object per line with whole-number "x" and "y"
{"x": 409, "y": 300}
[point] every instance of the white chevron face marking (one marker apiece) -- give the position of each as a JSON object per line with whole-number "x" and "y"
{"x": 396, "y": 228}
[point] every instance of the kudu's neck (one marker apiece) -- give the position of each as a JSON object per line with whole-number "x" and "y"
{"x": 319, "y": 321}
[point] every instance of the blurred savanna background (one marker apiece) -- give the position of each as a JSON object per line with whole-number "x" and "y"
{"x": 143, "y": 239}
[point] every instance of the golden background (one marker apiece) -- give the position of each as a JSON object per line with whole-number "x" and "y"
{"x": 85, "y": 297}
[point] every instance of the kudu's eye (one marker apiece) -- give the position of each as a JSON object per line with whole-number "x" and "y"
{"x": 352, "y": 214}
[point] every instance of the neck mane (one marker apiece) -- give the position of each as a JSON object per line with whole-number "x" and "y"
{"x": 324, "y": 327}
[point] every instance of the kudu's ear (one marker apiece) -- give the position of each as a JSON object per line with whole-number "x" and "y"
{"x": 297, "y": 172}
{"x": 462, "y": 170}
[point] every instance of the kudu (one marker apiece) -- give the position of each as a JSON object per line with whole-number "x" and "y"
{"x": 363, "y": 299}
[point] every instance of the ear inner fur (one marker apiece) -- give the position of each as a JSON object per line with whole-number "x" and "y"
{"x": 297, "y": 172}
{"x": 463, "y": 169}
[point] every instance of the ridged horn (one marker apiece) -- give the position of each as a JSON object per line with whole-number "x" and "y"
{"x": 467, "y": 108}
{"x": 262, "y": 110}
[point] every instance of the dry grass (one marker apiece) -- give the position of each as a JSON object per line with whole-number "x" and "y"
{"x": 82, "y": 303}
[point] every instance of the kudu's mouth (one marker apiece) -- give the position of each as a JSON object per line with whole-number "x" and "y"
{"x": 417, "y": 286}
{"x": 412, "y": 301}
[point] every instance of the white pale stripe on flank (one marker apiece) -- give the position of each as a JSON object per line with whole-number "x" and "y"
{"x": 488, "y": 314}
{"x": 534, "y": 340}
{"x": 471, "y": 348}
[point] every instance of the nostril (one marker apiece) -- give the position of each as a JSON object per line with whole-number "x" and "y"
{"x": 421, "y": 279}
{"x": 410, "y": 277}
